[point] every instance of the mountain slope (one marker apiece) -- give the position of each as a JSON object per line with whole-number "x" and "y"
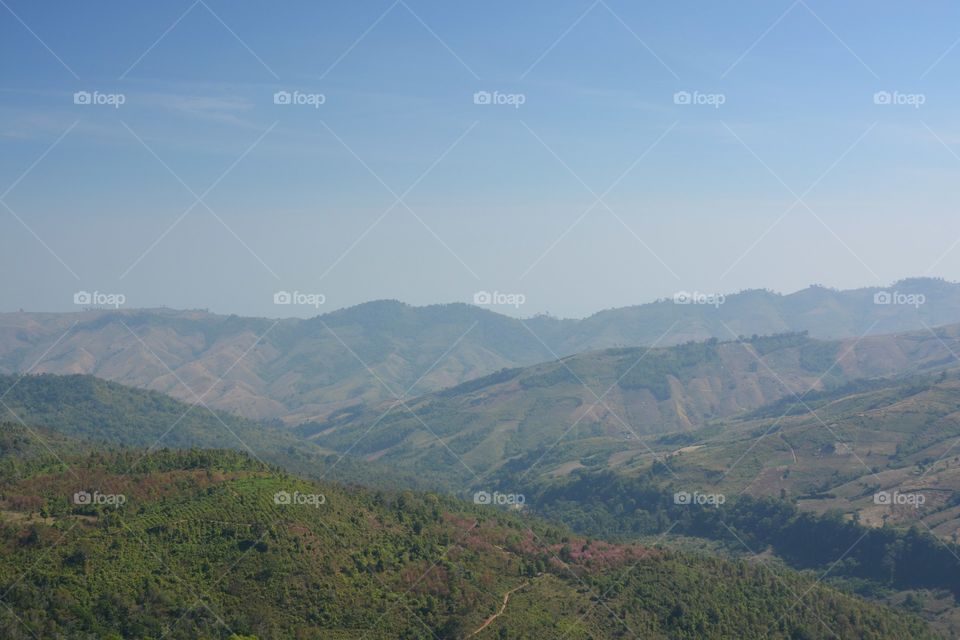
{"x": 843, "y": 450}
{"x": 305, "y": 369}
{"x": 86, "y": 407}
{"x": 549, "y": 414}
{"x": 64, "y": 414}
{"x": 201, "y": 546}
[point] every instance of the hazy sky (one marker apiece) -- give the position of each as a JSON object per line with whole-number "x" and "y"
{"x": 590, "y": 179}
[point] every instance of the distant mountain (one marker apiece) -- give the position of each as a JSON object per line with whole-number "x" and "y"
{"x": 301, "y": 370}
{"x": 825, "y": 313}
{"x": 207, "y": 544}
{"x": 549, "y": 414}
{"x": 258, "y": 368}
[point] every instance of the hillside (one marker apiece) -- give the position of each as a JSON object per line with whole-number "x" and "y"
{"x": 897, "y": 438}
{"x": 300, "y": 370}
{"x": 549, "y": 415}
{"x": 204, "y": 544}
{"x": 79, "y": 412}
{"x": 259, "y": 368}
{"x": 95, "y": 410}
{"x": 906, "y": 566}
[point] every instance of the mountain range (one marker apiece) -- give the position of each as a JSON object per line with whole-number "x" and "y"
{"x": 598, "y": 408}
{"x": 301, "y": 370}
{"x": 798, "y": 463}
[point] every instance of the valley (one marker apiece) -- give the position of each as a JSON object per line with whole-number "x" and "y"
{"x": 796, "y": 435}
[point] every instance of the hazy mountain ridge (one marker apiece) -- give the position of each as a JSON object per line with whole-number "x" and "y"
{"x": 299, "y": 370}
{"x": 515, "y": 413}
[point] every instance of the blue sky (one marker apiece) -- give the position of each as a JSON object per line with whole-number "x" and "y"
{"x": 599, "y": 190}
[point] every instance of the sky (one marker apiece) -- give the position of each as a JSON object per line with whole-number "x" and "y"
{"x": 567, "y": 156}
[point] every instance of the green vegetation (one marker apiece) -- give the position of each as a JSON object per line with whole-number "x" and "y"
{"x": 107, "y": 415}
{"x": 652, "y": 370}
{"x": 388, "y": 564}
{"x": 610, "y": 505}
{"x": 201, "y": 548}
{"x": 552, "y": 408}
{"x": 836, "y": 450}
{"x": 89, "y": 408}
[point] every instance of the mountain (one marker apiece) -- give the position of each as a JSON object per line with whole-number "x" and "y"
{"x": 300, "y": 370}
{"x": 915, "y": 304}
{"x": 596, "y": 408}
{"x": 216, "y": 545}
{"x": 262, "y": 368}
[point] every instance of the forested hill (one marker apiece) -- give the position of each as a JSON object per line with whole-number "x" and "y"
{"x": 87, "y": 407}
{"x": 207, "y": 544}
{"x": 65, "y": 413}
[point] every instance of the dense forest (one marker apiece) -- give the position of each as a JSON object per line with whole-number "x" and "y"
{"x": 606, "y": 503}
{"x": 204, "y": 545}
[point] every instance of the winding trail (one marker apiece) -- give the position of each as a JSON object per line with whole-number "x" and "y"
{"x": 503, "y": 607}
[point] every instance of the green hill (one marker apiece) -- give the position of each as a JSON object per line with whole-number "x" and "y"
{"x": 207, "y": 544}
{"x": 88, "y": 407}
{"x": 90, "y": 413}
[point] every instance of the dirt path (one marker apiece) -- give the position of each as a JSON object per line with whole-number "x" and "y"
{"x": 794, "y": 453}
{"x": 503, "y": 607}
